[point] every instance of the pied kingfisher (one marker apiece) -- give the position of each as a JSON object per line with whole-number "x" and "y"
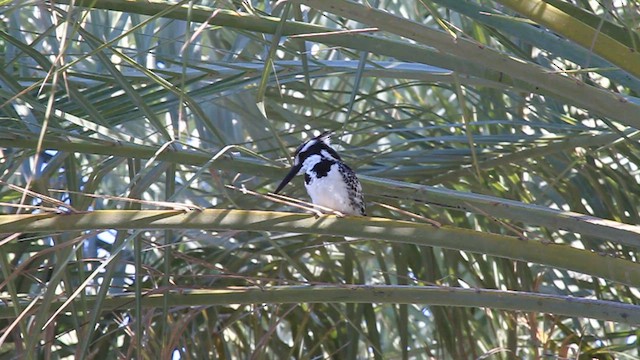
{"x": 329, "y": 181}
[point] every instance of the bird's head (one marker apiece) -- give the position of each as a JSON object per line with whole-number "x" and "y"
{"x": 317, "y": 148}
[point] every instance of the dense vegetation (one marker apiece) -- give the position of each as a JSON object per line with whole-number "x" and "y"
{"x": 496, "y": 141}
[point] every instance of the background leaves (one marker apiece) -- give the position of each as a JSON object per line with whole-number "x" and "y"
{"x": 513, "y": 124}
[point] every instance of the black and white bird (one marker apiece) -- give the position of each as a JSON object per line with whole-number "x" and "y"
{"x": 329, "y": 181}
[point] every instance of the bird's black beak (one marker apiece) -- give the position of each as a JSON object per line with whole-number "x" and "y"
{"x": 293, "y": 172}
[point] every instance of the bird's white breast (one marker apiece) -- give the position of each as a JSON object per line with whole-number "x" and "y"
{"x": 330, "y": 190}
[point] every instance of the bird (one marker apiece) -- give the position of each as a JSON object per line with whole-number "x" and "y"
{"x": 329, "y": 181}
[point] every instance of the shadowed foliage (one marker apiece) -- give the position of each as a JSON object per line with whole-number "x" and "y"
{"x": 496, "y": 142}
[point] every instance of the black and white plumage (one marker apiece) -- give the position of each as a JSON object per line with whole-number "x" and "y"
{"x": 328, "y": 180}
